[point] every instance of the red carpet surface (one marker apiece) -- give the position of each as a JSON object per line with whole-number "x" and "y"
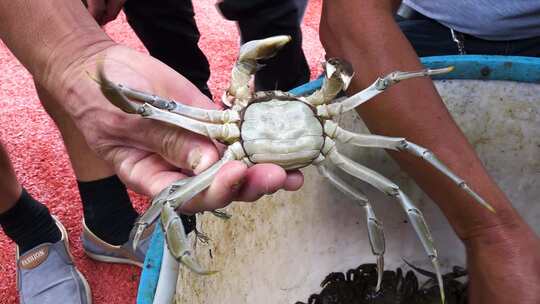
{"x": 42, "y": 165}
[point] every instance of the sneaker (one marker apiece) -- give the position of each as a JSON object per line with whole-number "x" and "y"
{"x": 102, "y": 251}
{"x": 46, "y": 275}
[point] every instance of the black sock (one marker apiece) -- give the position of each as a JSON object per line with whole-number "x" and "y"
{"x": 107, "y": 209}
{"x": 28, "y": 223}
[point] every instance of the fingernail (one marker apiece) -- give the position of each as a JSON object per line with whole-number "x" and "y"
{"x": 194, "y": 158}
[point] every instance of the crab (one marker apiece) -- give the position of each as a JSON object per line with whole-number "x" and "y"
{"x": 358, "y": 286}
{"x": 280, "y": 128}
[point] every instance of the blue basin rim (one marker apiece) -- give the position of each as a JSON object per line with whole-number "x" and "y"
{"x": 483, "y": 67}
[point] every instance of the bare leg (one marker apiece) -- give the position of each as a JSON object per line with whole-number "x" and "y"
{"x": 10, "y": 189}
{"x": 85, "y": 162}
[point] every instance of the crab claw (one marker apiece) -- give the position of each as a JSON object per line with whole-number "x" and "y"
{"x": 144, "y": 221}
{"x": 263, "y": 48}
{"x": 337, "y": 77}
{"x": 177, "y": 241}
{"x": 239, "y": 92}
{"x": 341, "y": 69}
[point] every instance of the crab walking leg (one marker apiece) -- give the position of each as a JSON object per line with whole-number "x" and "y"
{"x": 400, "y": 144}
{"x": 239, "y": 92}
{"x": 228, "y": 132}
{"x": 168, "y": 275}
{"x": 375, "y": 228}
{"x": 203, "y": 180}
{"x": 337, "y": 77}
{"x": 379, "y": 86}
{"x": 177, "y": 241}
{"x": 385, "y": 185}
{"x": 152, "y": 214}
{"x": 213, "y": 116}
{"x": 173, "y": 228}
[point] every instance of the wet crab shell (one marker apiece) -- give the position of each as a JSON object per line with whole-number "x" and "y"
{"x": 281, "y": 129}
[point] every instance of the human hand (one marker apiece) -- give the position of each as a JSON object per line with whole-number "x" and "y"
{"x": 147, "y": 154}
{"x": 104, "y": 11}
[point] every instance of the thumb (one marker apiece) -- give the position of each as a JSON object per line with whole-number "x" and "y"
{"x": 177, "y": 146}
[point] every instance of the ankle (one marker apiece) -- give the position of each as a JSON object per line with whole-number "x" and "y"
{"x": 28, "y": 223}
{"x": 107, "y": 209}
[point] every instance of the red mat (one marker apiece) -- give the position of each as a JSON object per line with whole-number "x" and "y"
{"x": 43, "y": 167}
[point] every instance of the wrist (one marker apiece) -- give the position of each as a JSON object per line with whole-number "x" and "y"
{"x": 69, "y": 54}
{"x": 508, "y": 227}
{"x": 504, "y": 258}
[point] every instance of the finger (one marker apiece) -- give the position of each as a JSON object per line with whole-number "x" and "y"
{"x": 112, "y": 10}
{"x": 96, "y": 8}
{"x": 295, "y": 180}
{"x": 179, "y": 147}
{"x": 222, "y": 190}
{"x": 143, "y": 172}
{"x": 262, "y": 179}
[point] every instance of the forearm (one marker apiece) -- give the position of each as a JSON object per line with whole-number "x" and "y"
{"x": 504, "y": 267}
{"x": 364, "y": 32}
{"x": 48, "y": 36}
